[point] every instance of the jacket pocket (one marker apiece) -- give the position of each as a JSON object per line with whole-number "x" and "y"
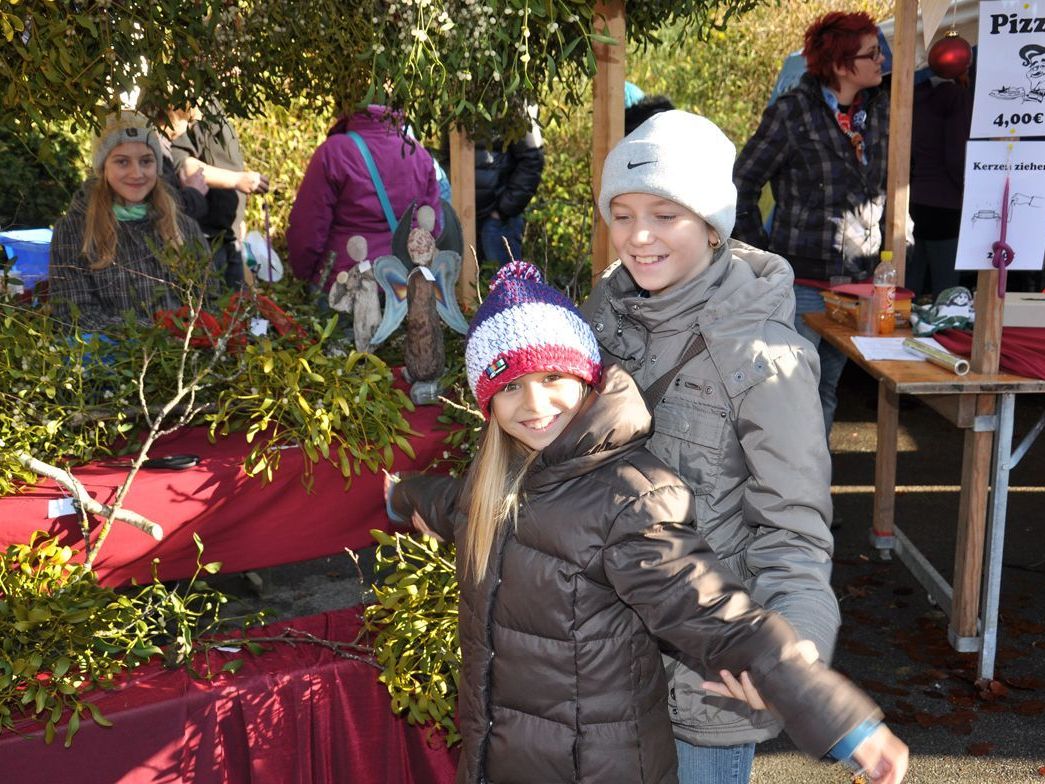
{"x": 689, "y": 428}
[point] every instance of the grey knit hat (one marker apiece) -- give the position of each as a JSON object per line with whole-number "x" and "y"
{"x": 127, "y": 126}
{"x": 680, "y": 156}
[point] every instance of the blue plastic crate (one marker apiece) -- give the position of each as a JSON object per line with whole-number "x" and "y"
{"x": 31, "y": 251}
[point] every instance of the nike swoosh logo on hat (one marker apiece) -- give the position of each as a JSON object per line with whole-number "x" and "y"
{"x": 640, "y": 163}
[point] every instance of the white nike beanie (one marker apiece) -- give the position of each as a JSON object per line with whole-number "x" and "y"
{"x": 680, "y": 156}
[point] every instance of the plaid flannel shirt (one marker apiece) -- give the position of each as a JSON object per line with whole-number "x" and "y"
{"x": 829, "y": 206}
{"x": 137, "y": 282}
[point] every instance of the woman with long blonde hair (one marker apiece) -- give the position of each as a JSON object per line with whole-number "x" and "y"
{"x": 578, "y": 560}
{"x": 104, "y": 252}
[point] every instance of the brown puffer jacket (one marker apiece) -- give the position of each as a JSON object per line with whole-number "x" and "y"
{"x": 562, "y": 678}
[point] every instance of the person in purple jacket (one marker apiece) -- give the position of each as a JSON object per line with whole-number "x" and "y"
{"x": 339, "y": 197}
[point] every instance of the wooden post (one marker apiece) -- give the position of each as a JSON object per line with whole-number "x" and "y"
{"x": 883, "y": 520}
{"x": 462, "y": 181}
{"x": 608, "y": 117}
{"x": 976, "y": 463}
{"x": 900, "y": 113}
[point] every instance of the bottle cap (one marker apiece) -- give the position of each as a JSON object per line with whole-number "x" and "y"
{"x": 887, "y": 255}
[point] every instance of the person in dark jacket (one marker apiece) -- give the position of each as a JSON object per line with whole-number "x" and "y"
{"x": 577, "y": 559}
{"x": 506, "y": 180}
{"x": 191, "y": 189}
{"x": 942, "y": 116}
{"x": 209, "y": 145}
{"x": 822, "y": 147}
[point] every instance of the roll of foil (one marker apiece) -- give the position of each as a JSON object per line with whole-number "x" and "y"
{"x": 945, "y": 359}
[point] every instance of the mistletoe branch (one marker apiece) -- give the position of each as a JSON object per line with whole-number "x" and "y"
{"x": 155, "y": 422}
{"x": 346, "y": 650}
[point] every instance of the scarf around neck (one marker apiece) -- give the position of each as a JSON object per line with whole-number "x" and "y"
{"x": 852, "y": 122}
{"x": 132, "y": 213}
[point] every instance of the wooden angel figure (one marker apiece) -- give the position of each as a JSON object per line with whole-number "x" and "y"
{"x": 423, "y": 295}
{"x": 355, "y": 291}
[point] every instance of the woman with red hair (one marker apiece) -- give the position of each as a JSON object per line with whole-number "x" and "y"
{"x": 822, "y": 147}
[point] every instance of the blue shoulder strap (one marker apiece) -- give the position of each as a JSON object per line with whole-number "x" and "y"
{"x": 375, "y": 177}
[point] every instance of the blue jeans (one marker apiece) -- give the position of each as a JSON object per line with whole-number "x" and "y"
{"x": 492, "y": 234}
{"x": 832, "y": 361}
{"x": 714, "y": 764}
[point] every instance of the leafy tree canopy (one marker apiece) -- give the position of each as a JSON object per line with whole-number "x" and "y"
{"x": 71, "y": 59}
{"x": 476, "y": 63}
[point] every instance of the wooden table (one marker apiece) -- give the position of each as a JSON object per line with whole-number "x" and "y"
{"x": 984, "y": 405}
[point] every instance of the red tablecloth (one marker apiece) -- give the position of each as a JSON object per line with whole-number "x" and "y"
{"x": 295, "y": 715}
{"x": 1022, "y": 350}
{"x": 243, "y": 522}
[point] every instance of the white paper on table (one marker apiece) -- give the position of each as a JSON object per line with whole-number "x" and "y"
{"x": 890, "y": 349}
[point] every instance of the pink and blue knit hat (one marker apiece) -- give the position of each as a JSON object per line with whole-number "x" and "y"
{"x": 525, "y": 326}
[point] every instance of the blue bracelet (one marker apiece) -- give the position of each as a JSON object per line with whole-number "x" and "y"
{"x": 843, "y": 750}
{"x": 395, "y": 518}
{"x": 391, "y": 512}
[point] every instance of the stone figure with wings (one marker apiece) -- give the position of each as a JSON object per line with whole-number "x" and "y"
{"x": 423, "y": 295}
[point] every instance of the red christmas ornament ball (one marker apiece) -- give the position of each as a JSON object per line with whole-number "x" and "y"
{"x": 950, "y": 57}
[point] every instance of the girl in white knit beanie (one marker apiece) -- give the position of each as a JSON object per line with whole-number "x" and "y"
{"x": 705, "y": 326}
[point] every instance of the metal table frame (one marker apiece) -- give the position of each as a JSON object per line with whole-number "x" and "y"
{"x": 960, "y": 399}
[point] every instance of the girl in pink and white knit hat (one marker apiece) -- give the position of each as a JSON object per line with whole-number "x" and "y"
{"x": 577, "y": 558}
{"x": 525, "y": 325}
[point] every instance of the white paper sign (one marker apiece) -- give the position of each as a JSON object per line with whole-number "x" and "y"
{"x": 1010, "y": 70}
{"x": 60, "y": 507}
{"x": 986, "y": 166}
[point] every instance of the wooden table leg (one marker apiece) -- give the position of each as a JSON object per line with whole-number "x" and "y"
{"x": 972, "y": 517}
{"x": 885, "y": 469}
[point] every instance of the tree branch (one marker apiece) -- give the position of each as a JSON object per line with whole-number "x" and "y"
{"x": 291, "y": 636}
{"x": 88, "y": 504}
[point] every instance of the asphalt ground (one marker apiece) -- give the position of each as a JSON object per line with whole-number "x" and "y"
{"x": 893, "y": 640}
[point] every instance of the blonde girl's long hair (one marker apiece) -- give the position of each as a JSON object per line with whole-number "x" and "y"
{"x": 494, "y": 487}
{"x": 99, "y": 235}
